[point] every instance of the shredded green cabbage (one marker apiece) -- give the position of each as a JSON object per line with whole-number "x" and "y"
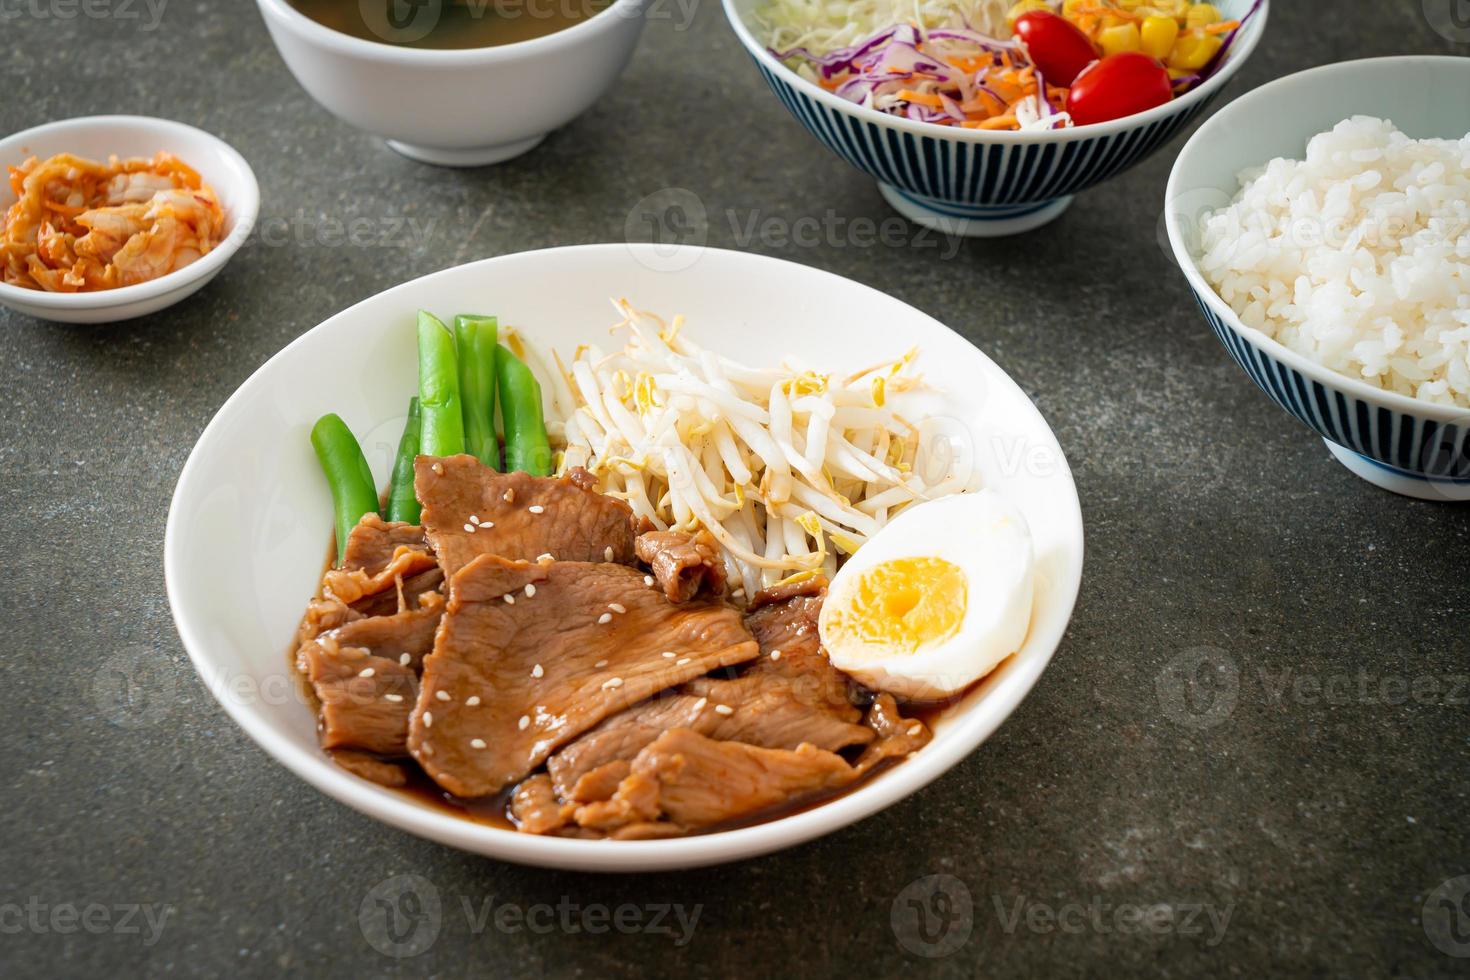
{"x": 823, "y": 25}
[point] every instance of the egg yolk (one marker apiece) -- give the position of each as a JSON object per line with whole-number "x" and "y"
{"x": 902, "y": 605}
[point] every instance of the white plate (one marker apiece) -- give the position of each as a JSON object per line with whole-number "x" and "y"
{"x": 97, "y": 138}
{"x": 251, "y": 515}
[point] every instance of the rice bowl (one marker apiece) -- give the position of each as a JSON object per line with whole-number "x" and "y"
{"x": 1400, "y": 443}
{"x": 1356, "y": 257}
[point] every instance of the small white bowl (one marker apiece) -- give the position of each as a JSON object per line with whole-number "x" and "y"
{"x": 252, "y": 490}
{"x": 97, "y": 138}
{"x": 458, "y": 108}
{"x": 1394, "y": 441}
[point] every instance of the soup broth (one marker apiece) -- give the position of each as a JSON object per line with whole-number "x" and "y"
{"x": 449, "y": 24}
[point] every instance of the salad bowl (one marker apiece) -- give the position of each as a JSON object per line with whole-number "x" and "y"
{"x": 252, "y": 488}
{"x": 985, "y": 183}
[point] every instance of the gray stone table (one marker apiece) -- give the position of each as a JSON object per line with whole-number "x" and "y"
{"x": 1295, "y": 816}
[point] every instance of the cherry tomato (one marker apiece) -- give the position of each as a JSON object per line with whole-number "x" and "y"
{"x": 1056, "y": 46}
{"x": 1117, "y": 86}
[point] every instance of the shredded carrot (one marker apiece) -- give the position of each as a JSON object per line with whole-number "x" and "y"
{"x": 922, "y": 98}
{"x": 1007, "y": 121}
{"x": 1222, "y": 27}
{"x": 969, "y": 64}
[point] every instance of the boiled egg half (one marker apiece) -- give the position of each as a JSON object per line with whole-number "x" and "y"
{"x": 935, "y": 600}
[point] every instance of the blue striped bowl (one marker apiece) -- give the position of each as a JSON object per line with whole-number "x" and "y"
{"x": 1394, "y": 441}
{"x": 974, "y": 182}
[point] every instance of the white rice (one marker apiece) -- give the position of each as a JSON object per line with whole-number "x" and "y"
{"x": 1357, "y": 257}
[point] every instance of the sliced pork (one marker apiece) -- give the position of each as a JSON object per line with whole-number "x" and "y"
{"x": 365, "y": 700}
{"x": 370, "y": 767}
{"x": 689, "y": 781}
{"x": 406, "y": 637}
{"x": 788, "y": 696}
{"x": 531, "y": 655}
{"x": 684, "y": 565}
{"x": 470, "y": 510}
{"x": 378, "y": 556}
{"x": 362, "y": 644}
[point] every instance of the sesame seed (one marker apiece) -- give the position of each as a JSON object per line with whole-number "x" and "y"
{"x": 472, "y": 700}
{"x": 438, "y": 468}
{"x": 699, "y": 705}
{"x": 916, "y": 730}
{"x": 487, "y": 524}
{"x": 530, "y": 589}
{"x": 477, "y": 743}
{"x": 607, "y": 553}
{"x": 536, "y": 671}
{"x": 775, "y": 654}
{"x": 470, "y": 528}
{"x": 510, "y": 496}
{"x": 428, "y": 719}
{"x": 405, "y": 659}
{"x": 600, "y": 663}
{"x": 617, "y": 607}
{"x": 442, "y": 695}
{"x": 366, "y": 672}
{"x": 737, "y": 593}
{"x": 670, "y": 654}
{"x": 536, "y": 509}
{"x": 426, "y": 749}
{"x": 474, "y": 519}
{"x": 395, "y": 698}
{"x": 724, "y": 709}
{"x": 681, "y": 661}
{"x": 524, "y": 723}
{"x": 612, "y": 682}
{"x": 545, "y": 556}
{"x": 648, "y": 580}
{"x": 604, "y": 619}
{"x": 510, "y": 600}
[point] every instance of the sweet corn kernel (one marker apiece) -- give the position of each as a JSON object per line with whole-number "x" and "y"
{"x": 1177, "y": 73}
{"x": 1114, "y": 40}
{"x": 1193, "y": 50}
{"x": 1202, "y": 15}
{"x": 1157, "y": 36}
{"x": 1023, "y": 7}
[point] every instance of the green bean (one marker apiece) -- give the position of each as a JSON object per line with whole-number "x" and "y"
{"x": 526, "y": 445}
{"x": 443, "y": 420}
{"x": 402, "y": 504}
{"x": 474, "y": 338}
{"x": 347, "y": 472}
